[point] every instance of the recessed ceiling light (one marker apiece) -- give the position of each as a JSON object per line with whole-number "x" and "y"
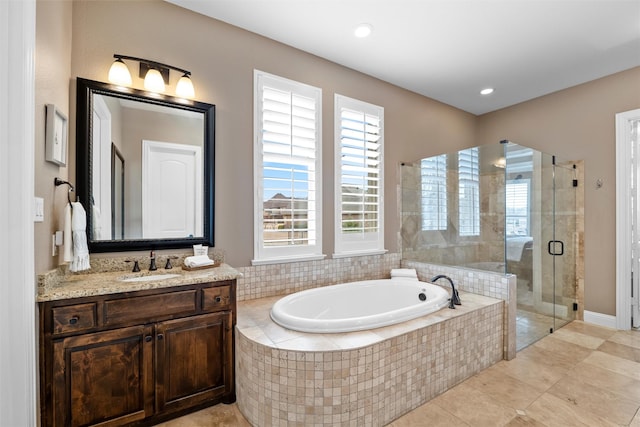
{"x": 363, "y": 30}
{"x": 486, "y": 91}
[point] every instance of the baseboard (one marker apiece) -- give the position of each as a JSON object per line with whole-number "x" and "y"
{"x": 600, "y": 319}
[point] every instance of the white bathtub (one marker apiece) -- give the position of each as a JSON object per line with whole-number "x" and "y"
{"x": 357, "y": 306}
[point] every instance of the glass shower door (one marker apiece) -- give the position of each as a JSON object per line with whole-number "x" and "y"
{"x": 564, "y": 253}
{"x": 546, "y": 292}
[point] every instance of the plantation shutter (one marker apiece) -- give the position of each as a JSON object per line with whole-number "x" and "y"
{"x": 359, "y": 144}
{"x": 517, "y": 207}
{"x": 288, "y": 169}
{"x": 433, "y": 173}
{"x": 468, "y": 193}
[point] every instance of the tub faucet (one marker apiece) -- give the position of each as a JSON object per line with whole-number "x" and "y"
{"x": 455, "y": 298}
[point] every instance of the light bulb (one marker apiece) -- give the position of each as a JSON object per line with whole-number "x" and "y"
{"x": 119, "y": 73}
{"x": 184, "y": 88}
{"x": 153, "y": 81}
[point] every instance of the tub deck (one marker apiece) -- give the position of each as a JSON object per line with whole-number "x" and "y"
{"x": 358, "y": 378}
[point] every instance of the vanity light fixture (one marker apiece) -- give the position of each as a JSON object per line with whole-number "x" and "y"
{"x": 155, "y": 75}
{"x": 487, "y": 91}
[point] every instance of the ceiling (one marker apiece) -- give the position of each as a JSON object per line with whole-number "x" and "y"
{"x": 449, "y": 50}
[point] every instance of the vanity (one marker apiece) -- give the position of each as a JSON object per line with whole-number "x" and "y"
{"x": 136, "y": 349}
{"x": 122, "y": 347}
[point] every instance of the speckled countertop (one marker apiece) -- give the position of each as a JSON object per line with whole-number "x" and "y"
{"x": 57, "y": 284}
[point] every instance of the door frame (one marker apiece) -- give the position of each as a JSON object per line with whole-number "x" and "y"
{"x": 623, "y": 218}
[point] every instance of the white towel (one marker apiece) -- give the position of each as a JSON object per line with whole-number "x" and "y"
{"x": 404, "y": 273}
{"x": 67, "y": 242}
{"x": 198, "y": 261}
{"x": 80, "y": 259}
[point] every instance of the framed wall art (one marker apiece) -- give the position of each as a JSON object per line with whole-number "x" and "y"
{"x": 55, "y": 136}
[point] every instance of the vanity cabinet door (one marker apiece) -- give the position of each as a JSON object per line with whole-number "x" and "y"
{"x": 103, "y": 377}
{"x": 194, "y": 358}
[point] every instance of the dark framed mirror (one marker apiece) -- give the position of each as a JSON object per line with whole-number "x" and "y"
{"x": 164, "y": 198}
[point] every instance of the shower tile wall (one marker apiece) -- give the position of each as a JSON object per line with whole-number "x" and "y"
{"x": 447, "y": 247}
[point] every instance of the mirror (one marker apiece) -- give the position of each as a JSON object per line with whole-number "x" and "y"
{"x": 164, "y": 196}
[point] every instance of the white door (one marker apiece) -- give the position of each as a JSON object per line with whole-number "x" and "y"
{"x": 628, "y": 219}
{"x": 101, "y": 171}
{"x": 172, "y": 179}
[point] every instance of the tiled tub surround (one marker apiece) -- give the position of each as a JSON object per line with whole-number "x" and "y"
{"x": 359, "y": 378}
{"x": 494, "y": 285}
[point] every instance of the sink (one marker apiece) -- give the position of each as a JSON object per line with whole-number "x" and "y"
{"x": 147, "y": 278}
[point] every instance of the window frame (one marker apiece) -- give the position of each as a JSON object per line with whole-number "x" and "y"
{"x": 289, "y": 253}
{"x": 346, "y": 245}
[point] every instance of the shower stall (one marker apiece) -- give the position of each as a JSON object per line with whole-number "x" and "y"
{"x": 504, "y": 208}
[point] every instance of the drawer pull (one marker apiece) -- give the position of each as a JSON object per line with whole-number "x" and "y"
{"x": 74, "y": 320}
{"x": 160, "y": 336}
{"x": 148, "y": 338}
{"x": 218, "y": 299}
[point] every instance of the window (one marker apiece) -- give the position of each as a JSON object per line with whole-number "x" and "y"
{"x": 468, "y": 193}
{"x": 517, "y": 207}
{"x": 433, "y": 174}
{"x": 359, "y": 142}
{"x": 288, "y": 174}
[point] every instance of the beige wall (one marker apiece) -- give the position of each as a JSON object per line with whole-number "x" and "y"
{"x": 222, "y": 59}
{"x": 579, "y": 124}
{"x": 53, "y": 70}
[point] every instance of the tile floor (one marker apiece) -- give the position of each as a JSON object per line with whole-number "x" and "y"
{"x": 581, "y": 375}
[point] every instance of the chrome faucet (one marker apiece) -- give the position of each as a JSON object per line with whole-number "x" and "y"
{"x": 455, "y": 298}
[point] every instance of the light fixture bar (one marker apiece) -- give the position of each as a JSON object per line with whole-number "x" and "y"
{"x": 152, "y": 64}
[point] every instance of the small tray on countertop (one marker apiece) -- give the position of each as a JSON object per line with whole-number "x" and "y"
{"x": 204, "y": 267}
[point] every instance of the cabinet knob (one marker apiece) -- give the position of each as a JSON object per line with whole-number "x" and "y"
{"x": 148, "y": 338}
{"x": 218, "y": 299}
{"x": 74, "y": 320}
{"x": 160, "y": 336}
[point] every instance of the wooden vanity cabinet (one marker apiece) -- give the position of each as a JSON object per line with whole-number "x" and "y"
{"x": 137, "y": 358}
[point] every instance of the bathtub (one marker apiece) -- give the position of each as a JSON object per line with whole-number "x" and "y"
{"x": 358, "y": 306}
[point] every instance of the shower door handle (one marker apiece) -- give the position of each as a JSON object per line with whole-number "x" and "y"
{"x": 552, "y": 246}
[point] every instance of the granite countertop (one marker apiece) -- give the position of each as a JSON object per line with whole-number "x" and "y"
{"x": 65, "y": 286}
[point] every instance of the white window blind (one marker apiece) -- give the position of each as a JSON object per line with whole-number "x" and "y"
{"x": 468, "y": 193}
{"x": 287, "y": 169}
{"x": 517, "y": 207}
{"x": 433, "y": 174}
{"x": 359, "y": 181}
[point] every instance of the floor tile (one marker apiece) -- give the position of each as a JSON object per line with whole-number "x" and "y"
{"x": 524, "y": 421}
{"x": 553, "y": 411}
{"x": 588, "y": 329}
{"x": 428, "y": 415}
{"x": 636, "y": 420}
{"x": 609, "y": 405}
{"x": 220, "y": 415}
{"x": 531, "y": 372}
{"x": 562, "y": 350}
{"x": 620, "y": 350}
{"x": 615, "y": 364}
{"x": 504, "y": 389}
{"x": 602, "y": 378}
{"x": 474, "y": 407}
{"x": 629, "y": 338}
{"x": 578, "y": 338}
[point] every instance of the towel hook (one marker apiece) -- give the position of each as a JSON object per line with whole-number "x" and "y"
{"x": 58, "y": 182}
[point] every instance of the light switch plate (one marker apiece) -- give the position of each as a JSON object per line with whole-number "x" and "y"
{"x": 38, "y": 209}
